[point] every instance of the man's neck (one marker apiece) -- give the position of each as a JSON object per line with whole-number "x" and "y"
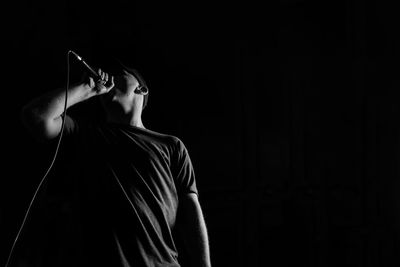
{"x": 135, "y": 121}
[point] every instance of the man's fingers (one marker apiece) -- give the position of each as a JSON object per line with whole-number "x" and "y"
{"x": 110, "y": 84}
{"x": 91, "y": 82}
{"x": 104, "y": 84}
{"x": 101, "y": 74}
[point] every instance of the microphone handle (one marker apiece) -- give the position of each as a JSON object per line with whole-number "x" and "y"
{"x": 94, "y": 73}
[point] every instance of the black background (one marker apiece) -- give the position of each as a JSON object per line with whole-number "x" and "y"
{"x": 289, "y": 110}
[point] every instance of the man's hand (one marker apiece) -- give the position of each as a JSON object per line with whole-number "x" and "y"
{"x": 102, "y": 86}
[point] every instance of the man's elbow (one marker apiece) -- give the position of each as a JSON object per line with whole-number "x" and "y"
{"x": 40, "y": 128}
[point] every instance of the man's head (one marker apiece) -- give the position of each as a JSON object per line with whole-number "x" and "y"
{"x": 130, "y": 93}
{"x": 114, "y": 67}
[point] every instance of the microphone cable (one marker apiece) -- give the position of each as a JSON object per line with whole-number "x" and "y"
{"x": 51, "y": 164}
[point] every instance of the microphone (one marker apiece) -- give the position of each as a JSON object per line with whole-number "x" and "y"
{"x": 90, "y": 69}
{"x": 141, "y": 88}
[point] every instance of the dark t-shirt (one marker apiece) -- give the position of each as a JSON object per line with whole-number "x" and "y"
{"x": 112, "y": 198}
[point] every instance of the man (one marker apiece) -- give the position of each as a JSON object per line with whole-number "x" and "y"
{"x": 124, "y": 195}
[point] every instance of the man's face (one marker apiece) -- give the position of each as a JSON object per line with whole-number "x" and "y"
{"x": 123, "y": 92}
{"x": 125, "y": 83}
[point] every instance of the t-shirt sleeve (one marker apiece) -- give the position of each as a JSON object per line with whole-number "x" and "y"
{"x": 184, "y": 172}
{"x": 68, "y": 134}
{"x": 72, "y": 129}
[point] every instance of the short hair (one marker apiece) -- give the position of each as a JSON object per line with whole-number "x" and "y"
{"x": 116, "y": 67}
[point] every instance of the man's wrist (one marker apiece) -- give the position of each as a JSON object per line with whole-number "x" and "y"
{"x": 80, "y": 92}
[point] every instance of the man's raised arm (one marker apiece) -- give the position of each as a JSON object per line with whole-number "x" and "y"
{"x": 42, "y": 115}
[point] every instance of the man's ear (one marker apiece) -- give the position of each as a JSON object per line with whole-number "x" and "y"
{"x": 142, "y": 91}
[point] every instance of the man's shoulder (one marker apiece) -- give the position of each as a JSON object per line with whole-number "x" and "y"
{"x": 171, "y": 140}
{"x": 166, "y": 137}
